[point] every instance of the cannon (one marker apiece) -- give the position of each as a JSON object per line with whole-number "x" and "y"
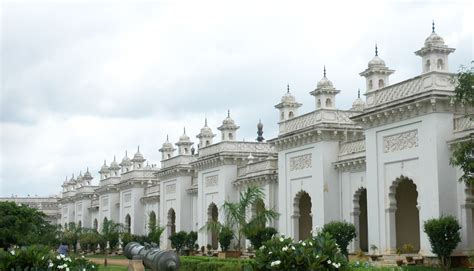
{"x": 154, "y": 258}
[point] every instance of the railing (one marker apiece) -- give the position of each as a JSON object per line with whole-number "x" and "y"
{"x": 236, "y": 146}
{"x": 256, "y": 167}
{"x": 315, "y": 117}
{"x": 138, "y": 174}
{"x": 177, "y": 160}
{"x": 463, "y": 123}
{"x": 416, "y": 85}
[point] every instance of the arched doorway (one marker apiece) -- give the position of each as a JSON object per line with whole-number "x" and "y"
{"x": 128, "y": 223}
{"x": 407, "y": 220}
{"x": 171, "y": 222}
{"x": 79, "y": 224}
{"x": 95, "y": 225}
{"x": 360, "y": 219}
{"x": 151, "y": 221}
{"x": 212, "y": 216}
{"x": 303, "y": 219}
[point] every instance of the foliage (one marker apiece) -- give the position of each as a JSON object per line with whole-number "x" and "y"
{"x": 155, "y": 233}
{"x": 342, "y": 232}
{"x": 408, "y": 248}
{"x": 111, "y": 232}
{"x": 22, "y": 225}
{"x": 319, "y": 252}
{"x": 464, "y": 91}
{"x": 190, "y": 240}
{"x": 40, "y": 258}
{"x": 444, "y": 236}
{"x": 261, "y": 235}
{"x": 178, "y": 240}
{"x": 225, "y": 237}
{"x": 194, "y": 263}
{"x": 89, "y": 240}
{"x": 463, "y": 157}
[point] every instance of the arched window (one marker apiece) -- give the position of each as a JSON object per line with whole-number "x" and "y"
{"x": 128, "y": 223}
{"x": 381, "y": 83}
{"x": 319, "y": 103}
{"x": 371, "y": 85}
{"x": 185, "y": 150}
{"x": 169, "y": 156}
{"x": 207, "y": 143}
{"x": 282, "y": 116}
{"x": 328, "y": 102}
{"x": 152, "y": 221}
{"x": 231, "y": 137}
{"x": 96, "y": 225}
{"x": 427, "y": 66}
{"x": 79, "y": 224}
{"x": 440, "y": 64}
{"x": 291, "y": 115}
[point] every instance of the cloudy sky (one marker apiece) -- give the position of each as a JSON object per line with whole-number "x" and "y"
{"x": 82, "y": 81}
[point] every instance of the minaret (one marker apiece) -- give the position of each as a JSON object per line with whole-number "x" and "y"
{"x": 184, "y": 144}
{"x": 114, "y": 168}
{"x": 138, "y": 159}
{"x": 434, "y": 55}
{"x": 358, "y": 104}
{"x": 260, "y": 131}
{"x": 126, "y": 163}
{"x": 87, "y": 177}
{"x": 104, "y": 171}
{"x": 377, "y": 74}
{"x": 167, "y": 150}
{"x": 205, "y": 136}
{"x": 228, "y": 129}
{"x": 288, "y": 107}
{"x": 325, "y": 93}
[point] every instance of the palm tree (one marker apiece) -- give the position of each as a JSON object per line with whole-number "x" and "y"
{"x": 110, "y": 233}
{"x": 235, "y": 214}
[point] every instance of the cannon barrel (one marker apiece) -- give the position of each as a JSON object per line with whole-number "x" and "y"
{"x": 153, "y": 258}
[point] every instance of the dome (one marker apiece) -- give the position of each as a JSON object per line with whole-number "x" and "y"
{"x": 358, "y": 103}
{"x": 434, "y": 40}
{"x": 114, "y": 165}
{"x": 206, "y": 131}
{"x": 228, "y": 121}
{"x": 104, "y": 168}
{"x": 288, "y": 98}
{"x": 72, "y": 180}
{"x": 87, "y": 175}
{"x": 376, "y": 62}
{"x": 167, "y": 144}
{"x": 184, "y": 137}
{"x": 138, "y": 155}
{"x": 325, "y": 83}
{"x": 259, "y": 124}
{"x": 125, "y": 160}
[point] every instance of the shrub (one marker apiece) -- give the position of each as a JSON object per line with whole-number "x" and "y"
{"x": 316, "y": 253}
{"x": 342, "y": 232}
{"x": 444, "y": 236}
{"x": 90, "y": 240}
{"x": 225, "y": 237}
{"x": 260, "y": 236}
{"x": 155, "y": 234}
{"x": 191, "y": 239}
{"x": 178, "y": 240}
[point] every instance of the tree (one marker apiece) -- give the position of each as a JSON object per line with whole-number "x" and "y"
{"x": 111, "y": 233}
{"x": 22, "y": 225}
{"x": 155, "y": 231}
{"x": 444, "y": 236}
{"x": 342, "y": 232}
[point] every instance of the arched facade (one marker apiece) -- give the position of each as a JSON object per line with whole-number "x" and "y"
{"x": 212, "y": 217}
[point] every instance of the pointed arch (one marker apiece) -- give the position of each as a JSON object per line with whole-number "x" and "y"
{"x": 302, "y": 216}
{"x": 360, "y": 219}
{"x": 95, "y": 224}
{"x": 128, "y": 223}
{"x": 212, "y": 216}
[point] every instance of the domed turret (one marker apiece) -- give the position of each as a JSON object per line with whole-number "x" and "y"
{"x": 104, "y": 171}
{"x": 377, "y": 74}
{"x": 288, "y": 106}
{"x": 434, "y": 55}
{"x": 126, "y": 163}
{"x": 325, "y": 93}
{"x": 138, "y": 159}
{"x": 205, "y": 136}
{"x": 358, "y": 104}
{"x": 167, "y": 149}
{"x": 184, "y": 144}
{"x": 114, "y": 168}
{"x": 228, "y": 128}
{"x": 87, "y": 177}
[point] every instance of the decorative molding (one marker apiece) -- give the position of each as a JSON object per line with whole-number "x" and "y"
{"x": 401, "y": 141}
{"x": 170, "y": 189}
{"x": 211, "y": 181}
{"x": 127, "y": 197}
{"x": 301, "y": 162}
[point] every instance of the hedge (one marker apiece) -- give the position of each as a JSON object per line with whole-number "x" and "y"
{"x": 202, "y": 263}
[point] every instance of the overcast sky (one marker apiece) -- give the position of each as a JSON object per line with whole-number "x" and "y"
{"x": 84, "y": 81}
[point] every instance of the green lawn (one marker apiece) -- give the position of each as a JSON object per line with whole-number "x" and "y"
{"x": 113, "y": 268}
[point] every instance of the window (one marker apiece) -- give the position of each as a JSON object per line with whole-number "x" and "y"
{"x": 169, "y": 156}
{"x": 427, "y": 66}
{"x": 381, "y": 83}
{"x": 370, "y": 84}
{"x": 282, "y": 116}
{"x": 328, "y": 102}
{"x": 319, "y": 103}
{"x": 291, "y": 115}
{"x": 440, "y": 64}
{"x": 231, "y": 137}
{"x": 207, "y": 143}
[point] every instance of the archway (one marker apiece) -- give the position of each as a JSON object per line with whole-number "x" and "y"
{"x": 79, "y": 224}
{"x": 407, "y": 221}
{"x": 104, "y": 222}
{"x": 151, "y": 221}
{"x": 95, "y": 225}
{"x": 303, "y": 217}
{"x": 171, "y": 222}
{"x": 128, "y": 223}
{"x": 360, "y": 219}
{"x": 212, "y": 216}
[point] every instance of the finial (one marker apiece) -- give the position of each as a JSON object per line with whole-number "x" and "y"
{"x": 433, "y": 26}
{"x": 126, "y": 153}
{"x": 87, "y": 169}
{"x": 228, "y": 113}
{"x": 324, "y": 71}
{"x": 184, "y": 130}
{"x": 358, "y": 93}
{"x": 138, "y": 150}
{"x": 167, "y": 138}
{"x": 114, "y": 158}
{"x": 376, "y": 50}
{"x": 288, "y": 88}
{"x": 205, "y": 122}
{"x": 105, "y": 162}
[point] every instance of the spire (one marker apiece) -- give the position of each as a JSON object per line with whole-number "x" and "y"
{"x": 167, "y": 138}
{"x": 114, "y": 157}
{"x": 260, "y": 131}
{"x": 228, "y": 113}
{"x": 184, "y": 130}
{"x": 288, "y": 88}
{"x": 105, "y": 163}
{"x": 376, "y": 50}
{"x": 138, "y": 150}
{"x": 126, "y": 153}
{"x": 205, "y": 122}
{"x": 358, "y": 93}
{"x": 324, "y": 71}
{"x": 433, "y": 26}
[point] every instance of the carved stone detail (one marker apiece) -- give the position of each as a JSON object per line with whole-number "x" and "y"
{"x": 211, "y": 181}
{"x": 401, "y": 141}
{"x": 301, "y": 162}
{"x": 170, "y": 189}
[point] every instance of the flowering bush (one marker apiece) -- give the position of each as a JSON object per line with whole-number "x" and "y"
{"x": 41, "y": 258}
{"x": 317, "y": 252}
{"x": 342, "y": 232}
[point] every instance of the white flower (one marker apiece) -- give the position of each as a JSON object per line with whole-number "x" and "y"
{"x": 42, "y": 258}
{"x": 281, "y": 239}
{"x": 269, "y": 253}
{"x": 262, "y": 247}
{"x": 275, "y": 263}
{"x": 329, "y": 261}
{"x": 82, "y": 256}
{"x": 12, "y": 252}
{"x": 58, "y": 257}
{"x": 304, "y": 244}
{"x": 317, "y": 256}
{"x": 50, "y": 265}
{"x": 310, "y": 244}
{"x": 67, "y": 268}
{"x": 285, "y": 248}
{"x": 62, "y": 256}
{"x": 292, "y": 247}
{"x": 337, "y": 265}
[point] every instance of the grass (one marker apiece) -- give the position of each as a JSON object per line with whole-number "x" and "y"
{"x": 112, "y": 268}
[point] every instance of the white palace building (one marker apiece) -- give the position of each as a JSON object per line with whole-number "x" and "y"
{"x": 382, "y": 165}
